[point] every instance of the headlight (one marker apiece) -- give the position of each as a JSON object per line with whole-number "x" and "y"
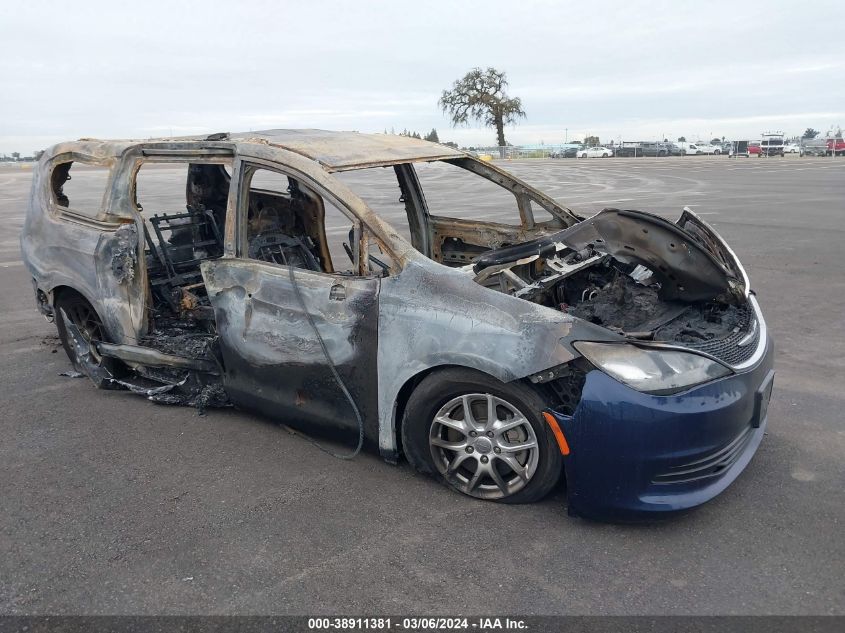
{"x": 656, "y": 371}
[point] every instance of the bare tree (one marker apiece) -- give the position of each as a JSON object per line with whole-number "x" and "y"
{"x": 480, "y": 95}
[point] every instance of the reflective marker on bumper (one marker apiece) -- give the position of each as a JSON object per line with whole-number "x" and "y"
{"x": 561, "y": 440}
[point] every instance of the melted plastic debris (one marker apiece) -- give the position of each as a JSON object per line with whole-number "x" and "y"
{"x": 705, "y": 323}
{"x": 210, "y": 396}
{"x": 624, "y": 305}
{"x": 143, "y": 390}
{"x": 158, "y": 385}
{"x": 182, "y": 340}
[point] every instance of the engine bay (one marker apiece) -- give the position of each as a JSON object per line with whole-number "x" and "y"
{"x": 664, "y": 285}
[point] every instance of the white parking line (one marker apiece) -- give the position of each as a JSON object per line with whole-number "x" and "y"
{"x": 10, "y": 264}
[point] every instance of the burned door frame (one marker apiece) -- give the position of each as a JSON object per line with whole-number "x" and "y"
{"x": 489, "y": 235}
{"x": 125, "y": 202}
{"x": 274, "y": 361}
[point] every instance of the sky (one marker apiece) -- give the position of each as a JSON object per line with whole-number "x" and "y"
{"x": 620, "y": 70}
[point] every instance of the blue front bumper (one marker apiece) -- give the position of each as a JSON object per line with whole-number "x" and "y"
{"x": 638, "y": 456}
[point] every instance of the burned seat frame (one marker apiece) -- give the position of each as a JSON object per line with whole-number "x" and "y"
{"x": 173, "y": 265}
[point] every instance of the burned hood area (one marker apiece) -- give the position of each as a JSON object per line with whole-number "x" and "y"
{"x": 635, "y": 274}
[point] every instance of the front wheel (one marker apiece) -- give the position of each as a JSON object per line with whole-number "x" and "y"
{"x": 583, "y": 156}
{"x": 481, "y": 437}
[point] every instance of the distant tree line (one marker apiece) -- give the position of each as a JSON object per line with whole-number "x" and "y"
{"x": 15, "y": 157}
{"x": 431, "y": 136}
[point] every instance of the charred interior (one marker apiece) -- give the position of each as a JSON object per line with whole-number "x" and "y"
{"x": 177, "y": 361}
{"x": 285, "y": 225}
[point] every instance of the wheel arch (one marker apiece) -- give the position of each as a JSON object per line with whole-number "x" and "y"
{"x": 407, "y": 388}
{"x": 111, "y": 330}
{"x": 64, "y": 290}
{"x": 529, "y": 399}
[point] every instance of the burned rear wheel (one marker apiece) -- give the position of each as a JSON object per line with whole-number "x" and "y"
{"x": 483, "y": 438}
{"x": 83, "y": 315}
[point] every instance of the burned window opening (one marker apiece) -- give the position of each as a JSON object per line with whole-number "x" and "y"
{"x": 284, "y": 223}
{"x": 288, "y": 223}
{"x": 85, "y": 197}
{"x": 386, "y": 191}
{"x": 60, "y": 175}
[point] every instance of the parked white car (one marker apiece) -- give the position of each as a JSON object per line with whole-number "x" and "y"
{"x": 793, "y": 148}
{"x": 689, "y": 148}
{"x": 595, "y": 152}
{"x": 707, "y": 148}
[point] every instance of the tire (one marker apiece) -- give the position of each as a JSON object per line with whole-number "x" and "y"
{"x": 717, "y": 152}
{"x": 583, "y": 156}
{"x": 83, "y": 315}
{"x": 478, "y": 465}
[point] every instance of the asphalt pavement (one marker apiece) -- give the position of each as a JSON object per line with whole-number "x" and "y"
{"x": 110, "y": 504}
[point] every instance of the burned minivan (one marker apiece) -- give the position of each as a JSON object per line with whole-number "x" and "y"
{"x": 492, "y": 336}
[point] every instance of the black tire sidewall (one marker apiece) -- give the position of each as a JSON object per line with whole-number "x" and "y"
{"x": 115, "y": 367}
{"x": 444, "y": 385}
{"x": 64, "y": 303}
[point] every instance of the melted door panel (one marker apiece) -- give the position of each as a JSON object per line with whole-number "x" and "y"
{"x": 273, "y": 358}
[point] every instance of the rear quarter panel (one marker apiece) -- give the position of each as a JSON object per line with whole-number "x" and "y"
{"x": 59, "y": 249}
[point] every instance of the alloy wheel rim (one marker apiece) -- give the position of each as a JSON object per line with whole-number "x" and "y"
{"x": 484, "y": 446}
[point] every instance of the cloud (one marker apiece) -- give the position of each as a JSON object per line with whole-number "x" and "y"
{"x": 615, "y": 68}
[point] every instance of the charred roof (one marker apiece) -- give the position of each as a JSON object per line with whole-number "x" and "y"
{"x": 335, "y": 151}
{"x": 348, "y": 150}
